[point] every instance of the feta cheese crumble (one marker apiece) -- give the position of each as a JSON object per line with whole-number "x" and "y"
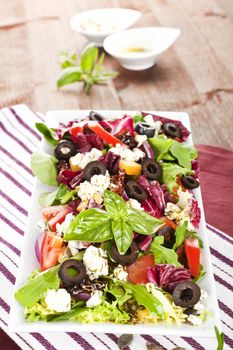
{"x": 74, "y": 246}
{"x": 140, "y": 139}
{"x": 61, "y": 228}
{"x": 133, "y": 203}
{"x": 127, "y": 154}
{"x": 173, "y": 212}
{"x": 98, "y": 184}
{"x": 95, "y": 299}
{"x": 120, "y": 273}
{"x": 185, "y": 199}
{"x": 96, "y": 262}
{"x": 82, "y": 159}
{"x": 58, "y": 300}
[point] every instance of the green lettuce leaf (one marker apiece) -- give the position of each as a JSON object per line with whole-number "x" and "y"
{"x": 162, "y": 254}
{"x": 180, "y": 234}
{"x": 44, "y": 168}
{"x": 170, "y": 173}
{"x": 48, "y": 133}
{"x": 119, "y": 293}
{"x": 181, "y": 154}
{"x": 161, "y": 145}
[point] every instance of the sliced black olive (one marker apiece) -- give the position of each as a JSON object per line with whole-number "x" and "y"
{"x": 94, "y": 168}
{"x": 152, "y": 169}
{"x": 128, "y": 258}
{"x": 95, "y": 116}
{"x": 65, "y": 150}
{"x": 145, "y": 129}
{"x": 136, "y": 191}
{"x": 189, "y": 182}
{"x": 169, "y": 236}
{"x": 70, "y": 279}
{"x": 171, "y": 129}
{"x": 186, "y": 294}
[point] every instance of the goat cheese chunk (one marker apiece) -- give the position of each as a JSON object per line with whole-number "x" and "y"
{"x": 98, "y": 184}
{"x": 174, "y": 212}
{"x": 58, "y": 300}
{"x": 133, "y": 203}
{"x": 82, "y": 159}
{"x": 127, "y": 154}
{"x": 95, "y": 299}
{"x": 120, "y": 273}
{"x": 96, "y": 262}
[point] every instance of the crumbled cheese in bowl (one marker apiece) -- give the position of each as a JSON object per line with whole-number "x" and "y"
{"x": 58, "y": 300}
{"x": 127, "y": 154}
{"x": 96, "y": 262}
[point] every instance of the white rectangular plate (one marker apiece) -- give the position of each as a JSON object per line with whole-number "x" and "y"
{"x": 28, "y": 260}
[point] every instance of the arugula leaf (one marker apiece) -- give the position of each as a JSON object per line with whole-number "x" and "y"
{"x": 220, "y": 338}
{"x": 48, "y": 133}
{"x": 75, "y": 311}
{"x": 181, "y": 154}
{"x": 143, "y": 297}
{"x": 162, "y": 254}
{"x": 170, "y": 173}
{"x": 64, "y": 195}
{"x": 68, "y": 76}
{"x": 118, "y": 292}
{"x": 123, "y": 235}
{"x": 142, "y": 222}
{"x": 180, "y": 234}
{"x": 91, "y": 225}
{"x": 44, "y": 167}
{"x": 35, "y": 288}
{"x": 114, "y": 205}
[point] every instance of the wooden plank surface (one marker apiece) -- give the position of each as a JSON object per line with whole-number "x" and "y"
{"x": 195, "y": 75}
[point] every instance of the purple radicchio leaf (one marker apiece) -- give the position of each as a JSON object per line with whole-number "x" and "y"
{"x": 195, "y": 167}
{"x": 119, "y": 125}
{"x": 147, "y": 149}
{"x": 111, "y": 161}
{"x": 149, "y": 206}
{"x": 154, "y": 191}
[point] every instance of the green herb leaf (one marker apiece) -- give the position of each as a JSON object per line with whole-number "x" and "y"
{"x": 162, "y": 254}
{"x": 114, "y": 205}
{"x": 192, "y": 234}
{"x": 64, "y": 195}
{"x": 123, "y": 235}
{"x": 48, "y": 133}
{"x": 220, "y": 338}
{"x": 44, "y": 168}
{"x": 88, "y": 58}
{"x": 142, "y": 222}
{"x": 161, "y": 146}
{"x": 200, "y": 275}
{"x": 91, "y": 225}
{"x": 138, "y": 118}
{"x": 170, "y": 173}
{"x": 192, "y": 151}
{"x": 75, "y": 311}
{"x": 143, "y": 297}
{"x": 67, "y": 59}
{"x": 180, "y": 234}
{"x": 35, "y": 288}
{"x": 46, "y": 199}
{"x": 181, "y": 154}
{"x": 68, "y": 76}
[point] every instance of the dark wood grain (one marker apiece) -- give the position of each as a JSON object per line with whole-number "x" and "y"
{"x": 195, "y": 75}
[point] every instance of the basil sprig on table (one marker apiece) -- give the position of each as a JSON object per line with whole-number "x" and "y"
{"x": 117, "y": 221}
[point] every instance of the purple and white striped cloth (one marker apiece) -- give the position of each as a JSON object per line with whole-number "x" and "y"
{"x": 18, "y": 139}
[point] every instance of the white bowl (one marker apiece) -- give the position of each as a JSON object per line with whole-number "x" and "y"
{"x": 152, "y": 41}
{"x": 97, "y": 24}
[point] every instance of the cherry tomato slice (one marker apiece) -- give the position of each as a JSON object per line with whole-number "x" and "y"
{"x": 50, "y": 250}
{"x": 137, "y": 271}
{"x": 58, "y": 218}
{"x": 193, "y": 253}
{"x": 49, "y": 212}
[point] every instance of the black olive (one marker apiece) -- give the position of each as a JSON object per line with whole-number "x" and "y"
{"x": 169, "y": 236}
{"x": 95, "y": 116}
{"x": 136, "y": 191}
{"x": 94, "y": 168}
{"x": 65, "y": 150}
{"x": 171, "y": 129}
{"x": 186, "y": 294}
{"x": 128, "y": 258}
{"x": 124, "y": 340}
{"x": 145, "y": 129}
{"x": 65, "y": 275}
{"x": 189, "y": 182}
{"x": 152, "y": 169}
{"x": 190, "y": 311}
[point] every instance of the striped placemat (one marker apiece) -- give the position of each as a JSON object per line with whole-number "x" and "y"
{"x": 18, "y": 139}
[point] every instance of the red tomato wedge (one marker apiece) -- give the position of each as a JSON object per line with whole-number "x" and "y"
{"x": 76, "y": 130}
{"x": 50, "y": 250}
{"x": 55, "y": 215}
{"x": 105, "y": 136}
{"x": 193, "y": 253}
{"x": 137, "y": 271}
{"x": 168, "y": 222}
{"x": 49, "y": 212}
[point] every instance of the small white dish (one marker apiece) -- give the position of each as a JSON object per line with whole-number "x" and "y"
{"x": 139, "y": 48}
{"x": 97, "y": 24}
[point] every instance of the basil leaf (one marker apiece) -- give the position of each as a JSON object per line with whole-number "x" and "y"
{"x": 162, "y": 254}
{"x": 46, "y": 199}
{"x": 48, "y": 133}
{"x": 142, "y": 222}
{"x": 143, "y": 297}
{"x": 69, "y": 75}
{"x": 35, "y": 288}
{"x": 44, "y": 167}
{"x": 180, "y": 234}
{"x": 220, "y": 338}
{"x": 123, "y": 235}
{"x": 88, "y": 58}
{"x": 91, "y": 225}
{"x": 181, "y": 154}
{"x": 114, "y": 205}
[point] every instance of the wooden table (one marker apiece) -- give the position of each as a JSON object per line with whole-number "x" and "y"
{"x": 195, "y": 75}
